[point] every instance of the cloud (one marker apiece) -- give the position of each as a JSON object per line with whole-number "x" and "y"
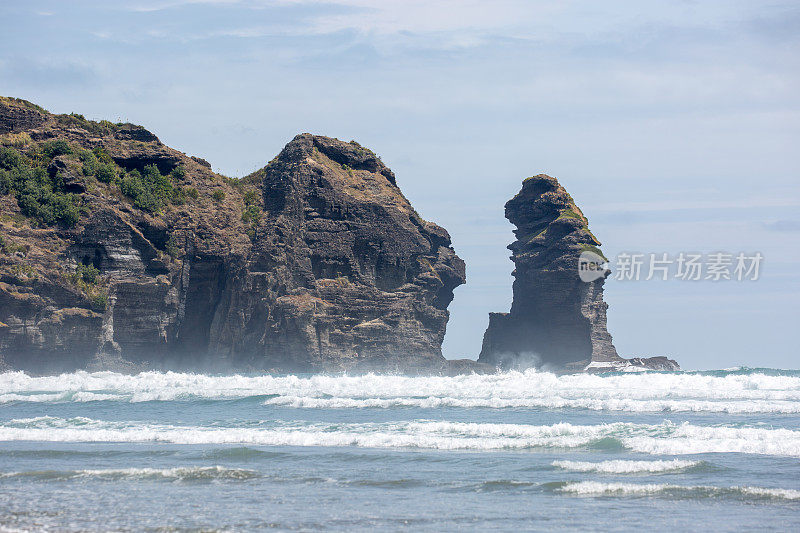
{"x": 521, "y": 19}
{"x": 681, "y": 205}
{"x": 659, "y": 33}
{"x": 42, "y": 72}
{"x": 392, "y": 17}
{"x": 149, "y": 7}
{"x": 776, "y": 27}
{"x": 784, "y": 225}
{"x": 513, "y": 18}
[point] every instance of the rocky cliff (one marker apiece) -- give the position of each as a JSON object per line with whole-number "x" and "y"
{"x": 557, "y": 320}
{"x": 120, "y": 252}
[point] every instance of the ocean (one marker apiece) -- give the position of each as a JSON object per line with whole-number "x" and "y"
{"x": 717, "y": 451}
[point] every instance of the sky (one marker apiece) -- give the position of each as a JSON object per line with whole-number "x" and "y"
{"x": 675, "y": 125}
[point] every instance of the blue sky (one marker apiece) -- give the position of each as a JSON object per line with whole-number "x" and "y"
{"x": 674, "y": 124}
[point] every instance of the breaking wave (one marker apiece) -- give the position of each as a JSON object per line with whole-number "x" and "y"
{"x": 665, "y": 438}
{"x": 203, "y": 473}
{"x": 595, "y": 488}
{"x": 733, "y": 391}
{"x": 627, "y": 467}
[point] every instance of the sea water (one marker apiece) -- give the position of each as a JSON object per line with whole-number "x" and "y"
{"x": 515, "y": 451}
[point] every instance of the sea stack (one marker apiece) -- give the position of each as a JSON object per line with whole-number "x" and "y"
{"x": 557, "y": 320}
{"x": 118, "y": 252}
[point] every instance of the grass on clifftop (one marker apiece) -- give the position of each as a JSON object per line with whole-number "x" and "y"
{"x": 569, "y": 213}
{"x": 10, "y": 100}
{"x": 585, "y": 247}
{"x": 74, "y": 120}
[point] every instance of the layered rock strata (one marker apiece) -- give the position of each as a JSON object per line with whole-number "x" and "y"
{"x": 316, "y": 262}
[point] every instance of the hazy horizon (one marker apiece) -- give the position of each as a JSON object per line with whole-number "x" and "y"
{"x": 674, "y": 126}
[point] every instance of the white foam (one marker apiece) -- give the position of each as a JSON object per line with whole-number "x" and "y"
{"x": 626, "y": 467}
{"x": 787, "y": 494}
{"x": 428, "y": 435}
{"x": 596, "y": 488}
{"x": 691, "y": 439}
{"x": 647, "y": 392}
{"x": 614, "y": 366}
{"x": 665, "y": 438}
{"x": 175, "y": 474}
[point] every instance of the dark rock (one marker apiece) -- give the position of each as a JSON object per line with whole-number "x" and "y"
{"x": 352, "y": 155}
{"x": 557, "y": 321}
{"x": 18, "y": 115}
{"x": 132, "y": 132}
{"x": 635, "y": 364}
{"x": 655, "y": 363}
{"x": 201, "y": 161}
{"x": 136, "y": 156}
{"x": 362, "y": 279}
{"x": 337, "y": 272}
{"x": 71, "y": 180}
{"x": 457, "y": 367}
{"x": 316, "y": 262}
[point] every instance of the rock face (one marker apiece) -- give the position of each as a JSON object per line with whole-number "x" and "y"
{"x": 557, "y": 321}
{"x": 20, "y": 115}
{"x": 316, "y": 262}
{"x": 358, "y": 276}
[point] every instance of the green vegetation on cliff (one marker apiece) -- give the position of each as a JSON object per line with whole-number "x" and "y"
{"x": 40, "y": 191}
{"x": 40, "y": 194}
{"x": 275, "y": 254}
{"x": 150, "y": 190}
{"x": 585, "y": 247}
{"x": 251, "y": 214}
{"x": 87, "y": 279}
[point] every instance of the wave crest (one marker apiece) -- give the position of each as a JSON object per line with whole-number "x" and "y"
{"x": 203, "y": 473}
{"x": 627, "y": 467}
{"x": 721, "y": 391}
{"x": 665, "y": 438}
{"x": 595, "y": 488}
